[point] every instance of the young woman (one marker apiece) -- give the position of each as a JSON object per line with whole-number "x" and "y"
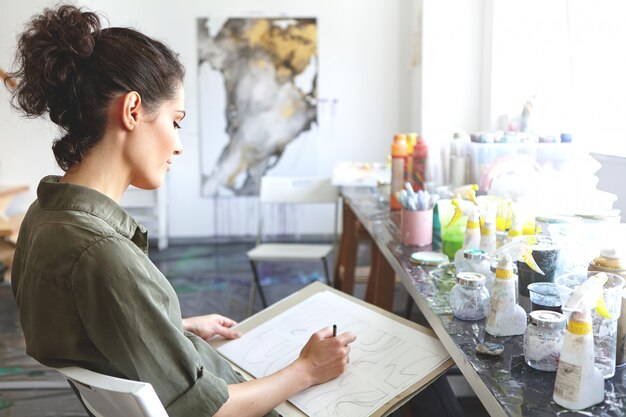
{"x": 87, "y": 293}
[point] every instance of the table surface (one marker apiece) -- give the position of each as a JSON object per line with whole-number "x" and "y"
{"x": 504, "y": 384}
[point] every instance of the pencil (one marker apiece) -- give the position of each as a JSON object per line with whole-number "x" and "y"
{"x": 334, "y": 330}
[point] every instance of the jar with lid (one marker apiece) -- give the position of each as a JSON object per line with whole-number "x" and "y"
{"x": 469, "y": 299}
{"x": 610, "y": 260}
{"x": 543, "y": 339}
{"x": 475, "y": 260}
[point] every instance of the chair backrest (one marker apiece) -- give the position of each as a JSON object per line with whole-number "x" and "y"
{"x": 297, "y": 190}
{"x": 107, "y": 396}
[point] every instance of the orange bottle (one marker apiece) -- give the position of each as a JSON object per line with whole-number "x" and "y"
{"x": 399, "y": 153}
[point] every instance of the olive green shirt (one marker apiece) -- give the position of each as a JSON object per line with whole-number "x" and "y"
{"x": 89, "y": 296}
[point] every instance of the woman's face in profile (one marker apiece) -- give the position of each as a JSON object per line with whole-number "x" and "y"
{"x": 155, "y": 143}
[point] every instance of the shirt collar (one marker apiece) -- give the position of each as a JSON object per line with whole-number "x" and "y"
{"x": 55, "y": 195}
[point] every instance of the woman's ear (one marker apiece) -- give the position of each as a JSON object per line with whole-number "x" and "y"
{"x": 131, "y": 107}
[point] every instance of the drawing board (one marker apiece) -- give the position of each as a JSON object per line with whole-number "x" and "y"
{"x": 390, "y": 359}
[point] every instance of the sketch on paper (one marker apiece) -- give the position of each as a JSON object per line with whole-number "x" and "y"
{"x": 267, "y": 70}
{"x": 387, "y": 357}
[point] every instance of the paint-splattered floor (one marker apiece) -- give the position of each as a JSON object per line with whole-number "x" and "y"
{"x": 209, "y": 278}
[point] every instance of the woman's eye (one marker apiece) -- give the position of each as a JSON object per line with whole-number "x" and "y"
{"x": 176, "y": 125}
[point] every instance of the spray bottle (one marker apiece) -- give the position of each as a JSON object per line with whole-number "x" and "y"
{"x": 505, "y": 316}
{"x": 503, "y": 221}
{"x": 461, "y": 208}
{"x": 488, "y": 232}
{"x": 516, "y": 228}
{"x": 467, "y": 192}
{"x": 453, "y": 238}
{"x": 472, "y": 234}
{"x": 579, "y": 384}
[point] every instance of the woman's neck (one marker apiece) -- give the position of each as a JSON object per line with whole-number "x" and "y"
{"x": 100, "y": 171}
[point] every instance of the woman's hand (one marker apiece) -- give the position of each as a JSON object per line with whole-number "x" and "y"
{"x": 324, "y": 357}
{"x": 211, "y": 325}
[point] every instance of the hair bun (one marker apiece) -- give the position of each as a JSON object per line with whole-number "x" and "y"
{"x": 49, "y": 51}
{"x": 75, "y": 28}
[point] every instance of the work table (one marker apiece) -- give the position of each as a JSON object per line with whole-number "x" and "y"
{"x": 505, "y": 384}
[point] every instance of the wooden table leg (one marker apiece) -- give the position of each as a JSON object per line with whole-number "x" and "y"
{"x": 348, "y": 249}
{"x": 381, "y": 282}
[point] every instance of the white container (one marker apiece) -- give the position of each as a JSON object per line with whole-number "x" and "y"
{"x": 604, "y": 329}
{"x": 505, "y": 316}
{"x": 579, "y": 383}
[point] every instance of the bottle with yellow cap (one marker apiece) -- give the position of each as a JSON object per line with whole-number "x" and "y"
{"x": 488, "y": 232}
{"x": 516, "y": 228}
{"x": 472, "y": 237}
{"x": 579, "y": 383}
{"x": 505, "y": 317}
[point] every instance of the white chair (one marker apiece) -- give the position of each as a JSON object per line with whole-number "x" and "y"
{"x": 107, "y": 396}
{"x": 291, "y": 190}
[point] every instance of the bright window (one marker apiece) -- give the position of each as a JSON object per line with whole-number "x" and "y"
{"x": 569, "y": 57}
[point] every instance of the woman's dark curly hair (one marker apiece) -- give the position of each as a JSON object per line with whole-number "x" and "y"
{"x": 71, "y": 68}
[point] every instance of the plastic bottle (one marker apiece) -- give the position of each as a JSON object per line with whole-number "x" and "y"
{"x": 488, "y": 233}
{"x": 579, "y": 384}
{"x": 516, "y": 228}
{"x": 398, "y": 162}
{"x": 420, "y": 157}
{"x": 505, "y": 316}
{"x": 472, "y": 237}
{"x": 437, "y": 242}
{"x": 503, "y": 221}
{"x": 459, "y": 161}
{"x": 453, "y": 238}
{"x": 411, "y": 140}
{"x": 472, "y": 230}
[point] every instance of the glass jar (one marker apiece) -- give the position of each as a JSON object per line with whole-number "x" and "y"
{"x": 543, "y": 339}
{"x": 469, "y": 299}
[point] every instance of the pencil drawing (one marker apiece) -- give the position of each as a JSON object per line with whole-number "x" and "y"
{"x": 386, "y": 359}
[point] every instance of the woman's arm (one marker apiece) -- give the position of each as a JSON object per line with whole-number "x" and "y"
{"x": 211, "y": 325}
{"x": 323, "y": 358}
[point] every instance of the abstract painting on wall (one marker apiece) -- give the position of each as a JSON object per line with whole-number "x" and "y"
{"x": 257, "y": 91}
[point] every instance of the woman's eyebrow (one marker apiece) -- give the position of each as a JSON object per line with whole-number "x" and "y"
{"x": 183, "y": 112}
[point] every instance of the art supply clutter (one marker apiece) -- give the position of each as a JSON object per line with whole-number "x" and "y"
{"x": 411, "y": 200}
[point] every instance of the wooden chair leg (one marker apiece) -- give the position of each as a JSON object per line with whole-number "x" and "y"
{"x": 256, "y": 283}
{"x": 326, "y": 271}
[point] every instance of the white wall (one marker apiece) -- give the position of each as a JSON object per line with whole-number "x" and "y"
{"x": 364, "y": 64}
{"x": 25, "y": 145}
{"x": 454, "y": 94}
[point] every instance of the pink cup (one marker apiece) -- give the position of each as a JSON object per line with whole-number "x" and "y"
{"x": 417, "y": 227}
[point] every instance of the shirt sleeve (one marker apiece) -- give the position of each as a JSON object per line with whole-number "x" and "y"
{"x": 132, "y": 316}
